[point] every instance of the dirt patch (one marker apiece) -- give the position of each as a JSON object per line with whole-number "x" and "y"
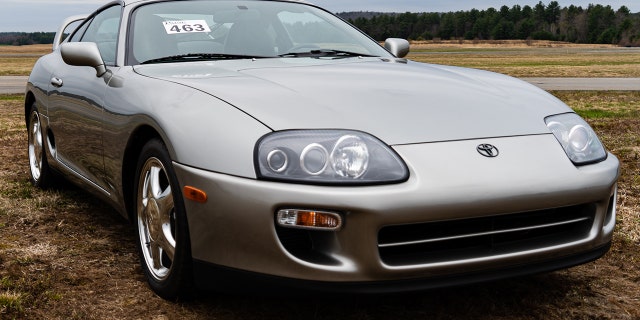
{"x": 65, "y": 255}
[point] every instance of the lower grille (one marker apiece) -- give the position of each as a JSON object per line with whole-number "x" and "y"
{"x": 444, "y": 241}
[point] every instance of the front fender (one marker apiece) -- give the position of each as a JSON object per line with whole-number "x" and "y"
{"x": 198, "y": 129}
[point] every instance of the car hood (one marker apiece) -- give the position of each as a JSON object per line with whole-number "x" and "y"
{"x": 400, "y": 102}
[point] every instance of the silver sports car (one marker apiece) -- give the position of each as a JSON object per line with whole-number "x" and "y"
{"x": 272, "y": 143}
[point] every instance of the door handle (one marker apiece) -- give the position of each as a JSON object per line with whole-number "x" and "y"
{"x": 56, "y": 82}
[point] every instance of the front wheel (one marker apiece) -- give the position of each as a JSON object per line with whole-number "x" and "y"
{"x": 164, "y": 247}
{"x": 39, "y": 172}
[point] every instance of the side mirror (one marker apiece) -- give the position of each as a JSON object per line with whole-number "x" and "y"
{"x": 83, "y": 54}
{"x": 57, "y": 40}
{"x": 399, "y": 47}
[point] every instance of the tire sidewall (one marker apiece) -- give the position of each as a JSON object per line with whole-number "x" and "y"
{"x": 178, "y": 283}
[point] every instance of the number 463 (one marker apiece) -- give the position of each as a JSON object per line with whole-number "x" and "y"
{"x": 188, "y": 28}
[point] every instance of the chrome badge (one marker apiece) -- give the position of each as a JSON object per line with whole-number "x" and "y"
{"x": 488, "y": 150}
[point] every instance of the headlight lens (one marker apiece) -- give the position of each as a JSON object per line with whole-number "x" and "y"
{"x": 350, "y": 157}
{"x": 577, "y": 138}
{"x": 328, "y": 157}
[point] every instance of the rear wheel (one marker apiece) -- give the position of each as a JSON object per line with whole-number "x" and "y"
{"x": 165, "y": 251}
{"x": 39, "y": 171}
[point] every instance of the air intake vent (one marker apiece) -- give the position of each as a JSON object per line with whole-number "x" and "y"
{"x": 483, "y": 237}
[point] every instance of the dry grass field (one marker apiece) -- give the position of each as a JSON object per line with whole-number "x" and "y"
{"x": 533, "y": 58}
{"x": 18, "y": 61}
{"x": 36, "y": 49}
{"x": 66, "y": 255}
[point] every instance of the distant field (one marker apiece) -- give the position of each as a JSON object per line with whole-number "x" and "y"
{"x": 515, "y": 58}
{"x": 19, "y": 60}
{"x": 32, "y": 49}
{"x": 533, "y": 58}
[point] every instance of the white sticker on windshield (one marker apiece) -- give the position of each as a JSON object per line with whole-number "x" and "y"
{"x": 186, "y": 26}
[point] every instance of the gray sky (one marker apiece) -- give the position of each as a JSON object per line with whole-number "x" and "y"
{"x": 46, "y": 15}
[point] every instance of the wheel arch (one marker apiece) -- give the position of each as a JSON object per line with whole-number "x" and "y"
{"x": 29, "y": 99}
{"x": 137, "y": 140}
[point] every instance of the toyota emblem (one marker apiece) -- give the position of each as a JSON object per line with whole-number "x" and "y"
{"x": 488, "y": 150}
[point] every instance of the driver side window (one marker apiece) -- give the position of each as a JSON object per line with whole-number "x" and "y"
{"x": 103, "y": 30}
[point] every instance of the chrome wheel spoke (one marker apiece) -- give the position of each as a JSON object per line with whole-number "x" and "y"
{"x": 35, "y": 146}
{"x": 156, "y": 256}
{"x": 166, "y": 211}
{"x": 156, "y": 223}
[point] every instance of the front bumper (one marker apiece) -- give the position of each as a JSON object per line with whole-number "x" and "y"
{"x": 232, "y": 280}
{"x": 448, "y": 181}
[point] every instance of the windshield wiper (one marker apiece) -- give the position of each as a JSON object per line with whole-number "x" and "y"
{"x": 200, "y": 57}
{"x": 320, "y": 53}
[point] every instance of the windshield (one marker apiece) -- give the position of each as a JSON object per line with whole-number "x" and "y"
{"x": 242, "y": 29}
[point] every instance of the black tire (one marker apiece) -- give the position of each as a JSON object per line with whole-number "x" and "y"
{"x": 40, "y": 173}
{"x": 161, "y": 224}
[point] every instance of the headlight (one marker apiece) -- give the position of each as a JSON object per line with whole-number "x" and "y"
{"x": 577, "y": 138}
{"x": 328, "y": 157}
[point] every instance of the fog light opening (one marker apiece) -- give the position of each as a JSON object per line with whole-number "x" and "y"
{"x": 309, "y": 219}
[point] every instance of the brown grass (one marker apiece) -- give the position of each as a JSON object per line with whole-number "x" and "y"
{"x": 20, "y": 66}
{"x": 545, "y": 64}
{"x": 502, "y": 44}
{"x": 65, "y": 255}
{"x": 39, "y": 49}
{"x": 532, "y": 58}
{"x": 19, "y": 60}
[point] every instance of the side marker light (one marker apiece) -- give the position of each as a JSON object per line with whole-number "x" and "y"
{"x": 195, "y": 194}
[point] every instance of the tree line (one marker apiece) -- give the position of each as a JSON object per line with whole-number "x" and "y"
{"x": 594, "y": 24}
{"x": 26, "y": 38}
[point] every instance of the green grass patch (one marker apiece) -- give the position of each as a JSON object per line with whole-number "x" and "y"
{"x": 18, "y": 190}
{"x": 602, "y": 104}
{"x": 11, "y": 302}
{"x": 53, "y": 296}
{"x": 605, "y": 114}
{"x": 11, "y": 97}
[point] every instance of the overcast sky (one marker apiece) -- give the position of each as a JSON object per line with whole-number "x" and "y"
{"x": 46, "y": 15}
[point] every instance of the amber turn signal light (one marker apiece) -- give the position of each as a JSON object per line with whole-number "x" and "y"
{"x": 194, "y": 194}
{"x": 309, "y": 219}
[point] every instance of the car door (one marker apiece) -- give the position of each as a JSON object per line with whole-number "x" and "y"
{"x": 76, "y": 101}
